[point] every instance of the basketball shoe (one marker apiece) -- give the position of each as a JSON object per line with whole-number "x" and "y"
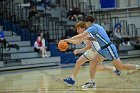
{"x": 117, "y": 72}
{"x": 69, "y": 81}
{"x": 89, "y": 85}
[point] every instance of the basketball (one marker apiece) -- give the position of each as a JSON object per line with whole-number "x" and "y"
{"x": 62, "y": 46}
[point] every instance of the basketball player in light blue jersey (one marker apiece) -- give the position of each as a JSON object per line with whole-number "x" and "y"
{"x": 89, "y": 52}
{"x": 107, "y": 50}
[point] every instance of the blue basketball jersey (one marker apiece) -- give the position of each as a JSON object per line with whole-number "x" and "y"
{"x": 99, "y": 33}
{"x": 109, "y": 51}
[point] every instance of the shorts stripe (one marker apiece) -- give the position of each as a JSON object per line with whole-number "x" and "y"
{"x": 110, "y": 52}
{"x": 99, "y": 36}
{"x": 113, "y": 52}
{"x": 85, "y": 57}
{"x": 101, "y": 55}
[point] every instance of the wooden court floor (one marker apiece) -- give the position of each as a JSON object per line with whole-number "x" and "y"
{"x": 49, "y": 80}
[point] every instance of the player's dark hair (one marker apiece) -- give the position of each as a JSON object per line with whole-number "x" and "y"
{"x": 89, "y": 18}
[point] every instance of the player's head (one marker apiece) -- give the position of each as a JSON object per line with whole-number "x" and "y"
{"x": 80, "y": 27}
{"x": 89, "y": 20}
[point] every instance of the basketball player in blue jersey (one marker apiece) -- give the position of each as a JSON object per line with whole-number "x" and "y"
{"x": 107, "y": 50}
{"x": 88, "y": 54}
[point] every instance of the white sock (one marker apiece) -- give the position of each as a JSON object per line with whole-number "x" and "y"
{"x": 91, "y": 80}
{"x": 72, "y": 77}
{"x": 137, "y": 67}
{"x": 114, "y": 69}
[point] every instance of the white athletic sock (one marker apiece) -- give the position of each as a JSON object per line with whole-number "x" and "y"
{"x": 114, "y": 69}
{"x": 72, "y": 77}
{"x": 91, "y": 80}
{"x": 137, "y": 67}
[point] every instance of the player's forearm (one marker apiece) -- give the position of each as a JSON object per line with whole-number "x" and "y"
{"x": 80, "y": 36}
{"x": 76, "y": 37}
{"x": 85, "y": 48}
{"x": 73, "y": 41}
{"x": 76, "y": 42}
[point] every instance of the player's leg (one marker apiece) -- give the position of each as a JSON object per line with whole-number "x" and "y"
{"x": 119, "y": 65}
{"x": 108, "y": 68}
{"x": 94, "y": 62}
{"x": 90, "y": 54}
{"x": 117, "y": 62}
{"x": 104, "y": 68}
{"x": 101, "y": 55}
{"x": 79, "y": 62}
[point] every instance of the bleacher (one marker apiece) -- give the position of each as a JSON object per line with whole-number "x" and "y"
{"x": 25, "y": 56}
{"x": 14, "y": 23}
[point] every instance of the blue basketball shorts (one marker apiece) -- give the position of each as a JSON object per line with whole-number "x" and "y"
{"x": 109, "y": 53}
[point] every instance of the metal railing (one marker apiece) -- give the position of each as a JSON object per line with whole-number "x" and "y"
{"x": 52, "y": 27}
{"x": 132, "y": 31}
{"x": 1, "y": 51}
{"x": 124, "y": 25}
{"x": 137, "y": 32}
{"x": 17, "y": 11}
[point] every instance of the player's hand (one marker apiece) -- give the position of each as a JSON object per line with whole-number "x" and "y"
{"x": 77, "y": 51}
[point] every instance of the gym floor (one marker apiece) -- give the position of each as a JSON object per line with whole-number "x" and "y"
{"x": 49, "y": 80}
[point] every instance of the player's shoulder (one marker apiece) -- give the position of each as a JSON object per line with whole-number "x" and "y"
{"x": 92, "y": 28}
{"x": 95, "y": 26}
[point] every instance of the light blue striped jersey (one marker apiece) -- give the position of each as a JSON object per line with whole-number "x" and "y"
{"x": 99, "y": 34}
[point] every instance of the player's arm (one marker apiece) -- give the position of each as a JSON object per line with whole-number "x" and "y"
{"x": 92, "y": 30}
{"x": 80, "y": 36}
{"x": 88, "y": 46}
{"x": 78, "y": 41}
